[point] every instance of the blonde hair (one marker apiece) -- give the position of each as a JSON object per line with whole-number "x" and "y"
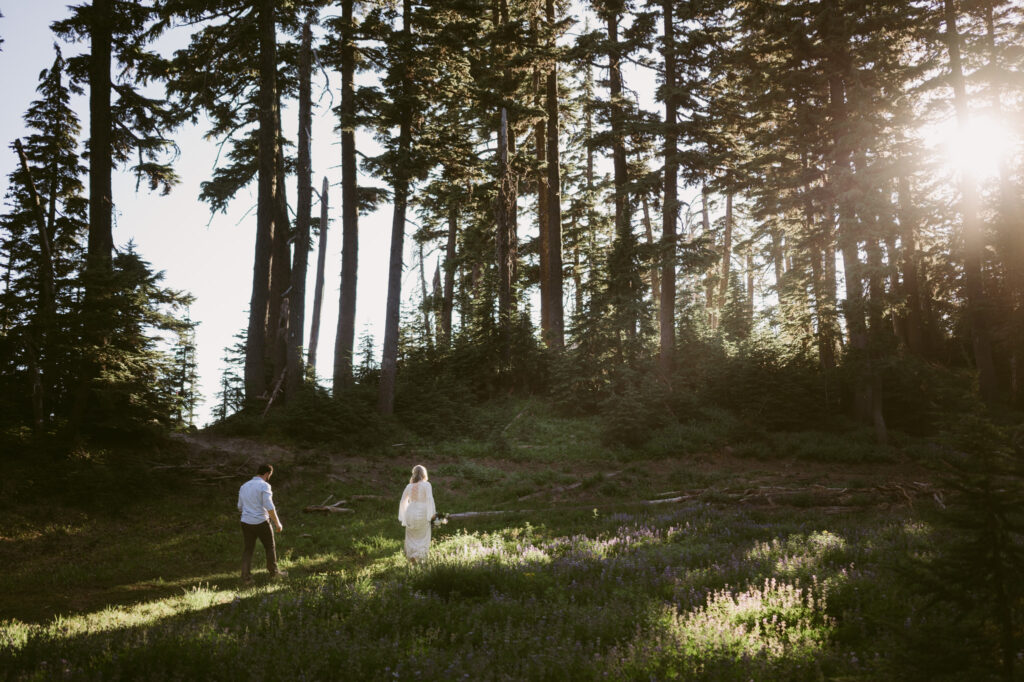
{"x": 419, "y": 473}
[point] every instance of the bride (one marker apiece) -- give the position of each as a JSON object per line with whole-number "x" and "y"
{"x": 415, "y": 512}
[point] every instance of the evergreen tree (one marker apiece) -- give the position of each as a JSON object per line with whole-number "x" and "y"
{"x": 47, "y": 216}
{"x": 230, "y": 396}
{"x": 130, "y": 125}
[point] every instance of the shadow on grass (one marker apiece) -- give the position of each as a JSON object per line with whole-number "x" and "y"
{"x": 640, "y": 596}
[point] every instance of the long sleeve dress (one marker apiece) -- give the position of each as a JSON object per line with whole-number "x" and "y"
{"x": 415, "y": 511}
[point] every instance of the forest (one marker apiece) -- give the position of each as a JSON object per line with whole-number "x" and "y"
{"x": 768, "y": 252}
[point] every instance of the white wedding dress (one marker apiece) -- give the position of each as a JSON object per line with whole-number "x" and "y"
{"x": 415, "y": 511}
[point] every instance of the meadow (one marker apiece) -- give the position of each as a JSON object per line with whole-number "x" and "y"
{"x": 690, "y": 559}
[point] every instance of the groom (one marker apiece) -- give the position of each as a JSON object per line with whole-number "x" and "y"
{"x": 256, "y": 503}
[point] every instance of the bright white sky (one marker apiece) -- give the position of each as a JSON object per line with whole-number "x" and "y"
{"x": 211, "y": 259}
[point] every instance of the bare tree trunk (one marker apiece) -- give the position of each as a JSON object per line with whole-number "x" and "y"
{"x": 346, "y": 333}
{"x": 318, "y": 287}
{"x": 297, "y": 307}
{"x": 649, "y": 233}
{"x": 723, "y": 283}
{"x": 709, "y": 291}
{"x": 400, "y": 191}
{"x": 449, "y": 274}
{"x": 437, "y": 295}
{"x": 670, "y": 203}
{"x": 973, "y": 231}
{"x": 913, "y": 322}
{"x": 543, "y": 219}
{"x": 425, "y": 299}
{"x": 556, "y": 314}
{"x": 620, "y": 169}
{"x": 280, "y": 268}
{"x": 854, "y": 308}
{"x": 266, "y": 213}
{"x": 100, "y": 247}
{"x": 750, "y": 284}
{"x": 505, "y": 246}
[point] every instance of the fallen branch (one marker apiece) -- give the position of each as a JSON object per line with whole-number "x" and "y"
{"x": 335, "y": 508}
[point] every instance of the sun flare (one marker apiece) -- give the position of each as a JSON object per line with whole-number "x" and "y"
{"x": 979, "y": 147}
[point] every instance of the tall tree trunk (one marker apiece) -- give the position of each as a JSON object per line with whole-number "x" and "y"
{"x": 670, "y": 203}
{"x": 543, "y": 220}
{"x": 913, "y": 319}
{"x": 626, "y": 279}
{"x": 973, "y": 232}
{"x": 100, "y": 247}
{"x": 425, "y": 298}
{"x": 346, "y": 333}
{"x": 505, "y": 245}
{"x": 400, "y": 192}
{"x": 830, "y": 309}
{"x": 709, "y": 290}
{"x": 556, "y": 316}
{"x": 854, "y": 307}
{"x": 1011, "y": 227}
{"x": 449, "y": 274}
{"x": 649, "y": 233}
{"x": 723, "y": 282}
{"x": 280, "y": 269}
{"x": 266, "y": 210}
{"x": 437, "y": 295}
{"x": 750, "y": 285}
{"x": 297, "y": 296}
{"x": 318, "y": 287}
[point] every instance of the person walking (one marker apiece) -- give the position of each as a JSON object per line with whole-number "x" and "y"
{"x": 256, "y": 503}
{"x": 415, "y": 512}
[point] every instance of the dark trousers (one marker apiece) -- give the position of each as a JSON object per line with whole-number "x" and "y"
{"x": 263, "y": 531}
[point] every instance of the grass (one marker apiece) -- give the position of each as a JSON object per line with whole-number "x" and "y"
{"x": 582, "y": 582}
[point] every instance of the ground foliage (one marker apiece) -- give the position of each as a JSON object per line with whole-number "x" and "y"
{"x": 577, "y": 577}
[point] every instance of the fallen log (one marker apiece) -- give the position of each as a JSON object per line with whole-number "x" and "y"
{"x": 335, "y": 508}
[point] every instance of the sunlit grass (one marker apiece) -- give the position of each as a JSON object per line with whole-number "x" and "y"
{"x": 581, "y": 583}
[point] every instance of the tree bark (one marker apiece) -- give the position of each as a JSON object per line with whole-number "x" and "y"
{"x": 400, "y": 191}
{"x": 505, "y": 246}
{"x": 449, "y": 274}
{"x": 297, "y": 297}
{"x": 556, "y": 317}
{"x": 280, "y": 267}
{"x": 709, "y": 291}
{"x": 318, "y": 287}
{"x": 100, "y": 245}
{"x": 913, "y": 319}
{"x": 723, "y": 283}
{"x": 345, "y": 338}
{"x": 543, "y": 220}
{"x": 266, "y": 209}
{"x": 649, "y": 233}
{"x": 424, "y": 298}
{"x": 670, "y": 204}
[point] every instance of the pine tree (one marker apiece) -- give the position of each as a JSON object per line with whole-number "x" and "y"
{"x": 42, "y": 231}
{"x": 120, "y": 129}
{"x": 230, "y": 396}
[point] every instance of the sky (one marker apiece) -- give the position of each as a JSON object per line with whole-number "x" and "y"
{"x": 208, "y": 256}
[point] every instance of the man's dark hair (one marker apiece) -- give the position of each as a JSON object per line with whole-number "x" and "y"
{"x": 265, "y": 469}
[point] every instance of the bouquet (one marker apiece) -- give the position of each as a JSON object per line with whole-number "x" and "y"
{"x": 438, "y": 520}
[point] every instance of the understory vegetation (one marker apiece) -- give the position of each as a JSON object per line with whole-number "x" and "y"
{"x": 715, "y": 548}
